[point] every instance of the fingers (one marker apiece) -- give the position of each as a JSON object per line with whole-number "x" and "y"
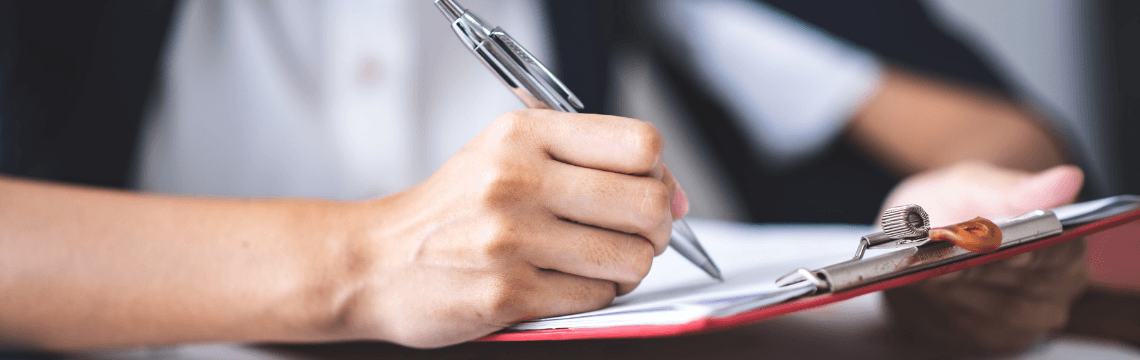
{"x": 592, "y": 252}
{"x": 974, "y": 316}
{"x": 1054, "y": 269}
{"x": 562, "y": 294}
{"x": 604, "y": 180}
{"x": 605, "y": 144}
{"x": 525, "y": 294}
{"x": 1057, "y": 272}
{"x": 1007, "y": 304}
{"x": 1047, "y": 189}
{"x": 629, "y": 204}
{"x": 601, "y": 142}
{"x": 1001, "y": 307}
{"x": 680, "y": 203}
{"x": 971, "y": 189}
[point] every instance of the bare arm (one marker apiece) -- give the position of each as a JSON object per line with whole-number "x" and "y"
{"x": 85, "y": 267}
{"x": 914, "y": 124}
{"x": 543, "y": 214}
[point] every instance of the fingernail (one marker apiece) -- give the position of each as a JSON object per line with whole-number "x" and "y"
{"x": 680, "y": 203}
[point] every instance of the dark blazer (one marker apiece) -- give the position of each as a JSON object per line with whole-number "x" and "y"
{"x": 75, "y": 77}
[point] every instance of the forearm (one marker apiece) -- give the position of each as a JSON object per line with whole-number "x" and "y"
{"x": 913, "y": 124}
{"x": 88, "y": 268}
{"x": 537, "y": 216}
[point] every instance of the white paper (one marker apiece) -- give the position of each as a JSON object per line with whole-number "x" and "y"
{"x": 751, "y": 257}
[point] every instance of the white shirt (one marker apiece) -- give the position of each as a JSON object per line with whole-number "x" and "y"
{"x": 353, "y": 99}
{"x": 333, "y": 99}
{"x": 791, "y": 85}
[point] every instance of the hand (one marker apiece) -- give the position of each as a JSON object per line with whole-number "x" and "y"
{"x": 1004, "y": 305}
{"x": 544, "y": 213}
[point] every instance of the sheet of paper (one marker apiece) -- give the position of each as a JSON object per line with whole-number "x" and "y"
{"x": 750, "y": 257}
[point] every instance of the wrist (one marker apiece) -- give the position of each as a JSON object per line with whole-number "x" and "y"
{"x": 342, "y": 286}
{"x": 328, "y": 238}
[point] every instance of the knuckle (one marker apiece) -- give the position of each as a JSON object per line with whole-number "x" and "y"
{"x": 625, "y": 257}
{"x": 498, "y": 239}
{"x": 630, "y": 262}
{"x": 642, "y": 259}
{"x": 597, "y": 252}
{"x": 511, "y": 125}
{"x": 647, "y": 146}
{"x": 655, "y": 203}
{"x": 594, "y": 293}
{"x": 506, "y": 184}
{"x": 503, "y": 299}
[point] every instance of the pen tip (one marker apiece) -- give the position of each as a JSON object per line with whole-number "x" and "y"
{"x": 713, "y": 271}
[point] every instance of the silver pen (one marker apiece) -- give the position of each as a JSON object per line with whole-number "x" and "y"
{"x": 533, "y": 83}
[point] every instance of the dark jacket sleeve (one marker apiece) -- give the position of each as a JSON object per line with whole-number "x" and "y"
{"x": 75, "y": 77}
{"x": 902, "y": 33}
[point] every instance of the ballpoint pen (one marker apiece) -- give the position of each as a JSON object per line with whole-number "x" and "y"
{"x": 533, "y": 83}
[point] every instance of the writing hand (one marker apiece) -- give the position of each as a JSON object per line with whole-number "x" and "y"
{"x": 544, "y": 213}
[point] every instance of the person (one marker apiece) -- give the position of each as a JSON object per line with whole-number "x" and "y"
{"x": 429, "y": 242}
{"x": 963, "y": 150}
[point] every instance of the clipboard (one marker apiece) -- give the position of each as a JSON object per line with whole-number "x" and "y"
{"x": 863, "y": 275}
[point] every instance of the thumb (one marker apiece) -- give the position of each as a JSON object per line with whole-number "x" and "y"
{"x": 680, "y": 202}
{"x": 1050, "y": 188}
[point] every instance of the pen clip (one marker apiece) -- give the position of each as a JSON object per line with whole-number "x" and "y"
{"x": 535, "y": 68}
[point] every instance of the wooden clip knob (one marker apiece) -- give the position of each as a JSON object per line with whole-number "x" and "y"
{"x": 979, "y": 235}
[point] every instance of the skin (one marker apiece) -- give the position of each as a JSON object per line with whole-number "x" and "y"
{"x": 914, "y": 123}
{"x": 1001, "y": 306}
{"x": 966, "y": 153}
{"x": 542, "y": 214}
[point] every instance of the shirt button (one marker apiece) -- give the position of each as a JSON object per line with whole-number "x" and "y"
{"x": 369, "y": 71}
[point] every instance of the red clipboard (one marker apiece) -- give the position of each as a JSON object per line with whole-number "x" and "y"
{"x": 810, "y": 302}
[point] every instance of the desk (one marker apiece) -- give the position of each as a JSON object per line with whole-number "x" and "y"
{"x": 855, "y": 329}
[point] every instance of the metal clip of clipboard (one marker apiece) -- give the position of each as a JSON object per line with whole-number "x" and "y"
{"x": 922, "y": 255}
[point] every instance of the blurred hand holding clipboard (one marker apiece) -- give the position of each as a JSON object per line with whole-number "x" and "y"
{"x": 675, "y": 300}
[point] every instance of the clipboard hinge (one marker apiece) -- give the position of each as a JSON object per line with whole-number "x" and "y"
{"x": 903, "y": 226}
{"x": 913, "y": 257}
{"x": 802, "y": 274}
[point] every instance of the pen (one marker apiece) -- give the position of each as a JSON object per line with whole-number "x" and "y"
{"x": 533, "y": 83}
